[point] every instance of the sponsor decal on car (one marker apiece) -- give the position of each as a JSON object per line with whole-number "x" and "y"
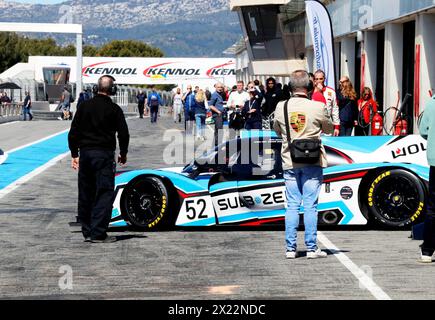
{"x": 250, "y": 201}
{"x": 418, "y": 212}
{"x": 162, "y": 212}
{"x": 346, "y": 193}
{"x": 372, "y": 187}
{"x": 410, "y": 150}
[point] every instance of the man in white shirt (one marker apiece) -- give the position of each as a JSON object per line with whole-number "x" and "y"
{"x": 238, "y": 98}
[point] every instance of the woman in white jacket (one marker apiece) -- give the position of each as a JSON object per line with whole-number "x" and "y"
{"x": 177, "y": 105}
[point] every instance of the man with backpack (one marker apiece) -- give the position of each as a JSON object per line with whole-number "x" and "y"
{"x": 154, "y": 102}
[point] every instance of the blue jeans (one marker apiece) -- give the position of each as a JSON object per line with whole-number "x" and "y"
{"x": 154, "y": 113}
{"x": 302, "y": 187}
{"x": 200, "y": 124}
{"x": 27, "y": 111}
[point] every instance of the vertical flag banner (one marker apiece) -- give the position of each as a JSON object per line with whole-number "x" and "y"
{"x": 321, "y": 34}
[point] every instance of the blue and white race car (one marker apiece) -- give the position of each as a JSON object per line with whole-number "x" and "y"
{"x": 369, "y": 179}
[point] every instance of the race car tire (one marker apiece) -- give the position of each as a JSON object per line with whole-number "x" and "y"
{"x": 395, "y": 198}
{"x": 146, "y": 203}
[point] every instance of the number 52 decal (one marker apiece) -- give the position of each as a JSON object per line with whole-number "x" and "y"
{"x": 195, "y": 209}
{"x": 198, "y": 211}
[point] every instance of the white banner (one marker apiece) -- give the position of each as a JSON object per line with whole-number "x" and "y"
{"x": 323, "y": 44}
{"x": 147, "y": 71}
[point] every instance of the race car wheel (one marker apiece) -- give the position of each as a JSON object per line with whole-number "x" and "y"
{"x": 146, "y": 203}
{"x": 396, "y": 198}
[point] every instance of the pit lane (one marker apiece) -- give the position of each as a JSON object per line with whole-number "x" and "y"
{"x": 37, "y": 243}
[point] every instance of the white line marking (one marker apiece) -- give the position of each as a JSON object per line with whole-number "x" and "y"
{"x": 8, "y": 123}
{"x": 37, "y": 141}
{"x": 137, "y": 117}
{"x": 31, "y": 175}
{"x": 363, "y": 278}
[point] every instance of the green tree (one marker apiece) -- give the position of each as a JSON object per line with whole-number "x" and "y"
{"x": 15, "y": 49}
{"x": 129, "y": 48}
{"x": 90, "y": 51}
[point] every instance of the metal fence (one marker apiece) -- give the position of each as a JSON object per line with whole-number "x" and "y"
{"x": 126, "y": 96}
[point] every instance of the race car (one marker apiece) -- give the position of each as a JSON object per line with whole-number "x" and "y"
{"x": 3, "y": 156}
{"x": 380, "y": 179}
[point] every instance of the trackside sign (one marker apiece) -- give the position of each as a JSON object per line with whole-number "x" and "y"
{"x": 145, "y": 70}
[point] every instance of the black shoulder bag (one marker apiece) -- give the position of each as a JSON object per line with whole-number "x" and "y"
{"x": 306, "y": 151}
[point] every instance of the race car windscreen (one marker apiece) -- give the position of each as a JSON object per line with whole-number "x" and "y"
{"x": 209, "y": 158}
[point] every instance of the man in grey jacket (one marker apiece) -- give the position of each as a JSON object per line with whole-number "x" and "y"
{"x": 307, "y": 120}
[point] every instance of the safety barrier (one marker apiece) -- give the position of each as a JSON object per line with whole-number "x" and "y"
{"x": 10, "y": 109}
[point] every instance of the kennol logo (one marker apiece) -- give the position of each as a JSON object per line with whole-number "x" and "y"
{"x": 161, "y": 70}
{"x": 220, "y": 70}
{"x": 95, "y": 69}
{"x": 158, "y": 71}
{"x": 164, "y": 70}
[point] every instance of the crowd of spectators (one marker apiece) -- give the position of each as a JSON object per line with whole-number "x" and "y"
{"x": 248, "y": 106}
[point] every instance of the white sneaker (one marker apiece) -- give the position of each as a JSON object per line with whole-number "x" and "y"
{"x": 425, "y": 259}
{"x": 316, "y": 254}
{"x": 291, "y": 255}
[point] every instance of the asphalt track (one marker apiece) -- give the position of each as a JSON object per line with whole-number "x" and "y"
{"x": 38, "y": 245}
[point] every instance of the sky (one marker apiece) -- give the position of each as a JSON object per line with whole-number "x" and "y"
{"x": 39, "y": 1}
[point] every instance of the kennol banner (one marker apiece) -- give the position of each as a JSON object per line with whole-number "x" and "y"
{"x": 143, "y": 70}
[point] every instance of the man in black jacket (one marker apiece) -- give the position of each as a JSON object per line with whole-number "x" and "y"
{"x": 273, "y": 95}
{"x": 92, "y": 141}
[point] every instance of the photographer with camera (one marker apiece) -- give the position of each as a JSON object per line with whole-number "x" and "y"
{"x": 238, "y": 98}
{"x": 235, "y": 103}
{"x": 92, "y": 141}
{"x": 300, "y": 121}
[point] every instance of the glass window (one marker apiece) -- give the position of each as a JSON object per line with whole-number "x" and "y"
{"x": 264, "y": 161}
{"x": 275, "y": 32}
{"x": 292, "y": 19}
{"x": 55, "y": 76}
{"x": 264, "y": 33}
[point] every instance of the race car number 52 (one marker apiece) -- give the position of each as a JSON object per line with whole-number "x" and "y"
{"x": 196, "y": 208}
